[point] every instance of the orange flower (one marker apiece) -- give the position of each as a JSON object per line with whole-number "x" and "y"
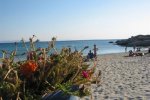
{"x": 28, "y": 68}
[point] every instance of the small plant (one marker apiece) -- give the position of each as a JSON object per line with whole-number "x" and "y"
{"x": 42, "y": 73}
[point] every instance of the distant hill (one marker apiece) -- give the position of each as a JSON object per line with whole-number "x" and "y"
{"x": 139, "y": 40}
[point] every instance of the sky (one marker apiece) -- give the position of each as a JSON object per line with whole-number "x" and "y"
{"x": 73, "y": 19}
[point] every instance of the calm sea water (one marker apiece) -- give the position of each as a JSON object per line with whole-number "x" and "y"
{"x": 104, "y": 47}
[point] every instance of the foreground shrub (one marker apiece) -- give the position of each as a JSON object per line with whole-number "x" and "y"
{"x": 42, "y": 73}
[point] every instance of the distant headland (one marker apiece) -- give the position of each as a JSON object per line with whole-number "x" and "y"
{"x": 139, "y": 40}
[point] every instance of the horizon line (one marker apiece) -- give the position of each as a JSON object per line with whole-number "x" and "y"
{"x": 10, "y": 41}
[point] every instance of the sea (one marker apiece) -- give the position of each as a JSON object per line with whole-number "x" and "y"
{"x": 103, "y": 46}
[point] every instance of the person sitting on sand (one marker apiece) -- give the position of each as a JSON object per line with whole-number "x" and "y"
{"x": 90, "y": 55}
{"x": 131, "y": 53}
{"x": 139, "y": 54}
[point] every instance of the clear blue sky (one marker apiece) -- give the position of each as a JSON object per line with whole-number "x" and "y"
{"x": 73, "y": 19}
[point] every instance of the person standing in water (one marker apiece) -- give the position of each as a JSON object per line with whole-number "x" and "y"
{"x": 126, "y": 49}
{"x": 134, "y": 48}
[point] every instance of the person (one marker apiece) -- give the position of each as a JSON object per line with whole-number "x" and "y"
{"x": 69, "y": 50}
{"x": 134, "y": 48}
{"x": 138, "y": 49}
{"x": 131, "y": 53}
{"x": 90, "y": 55}
{"x": 95, "y": 51}
{"x": 126, "y": 49}
{"x": 149, "y": 50}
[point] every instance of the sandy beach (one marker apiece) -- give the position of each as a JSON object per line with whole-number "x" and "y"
{"x": 123, "y": 78}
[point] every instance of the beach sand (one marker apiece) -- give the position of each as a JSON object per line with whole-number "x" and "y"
{"x": 123, "y": 78}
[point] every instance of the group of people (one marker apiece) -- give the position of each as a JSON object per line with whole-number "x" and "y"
{"x": 91, "y": 54}
{"x": 134, "y": 49}
{"x": 131, "y": 53}
{"x": 137, "y": 51}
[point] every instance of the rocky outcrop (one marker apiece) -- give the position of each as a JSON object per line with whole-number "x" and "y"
{"x": 139, "y": 40}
